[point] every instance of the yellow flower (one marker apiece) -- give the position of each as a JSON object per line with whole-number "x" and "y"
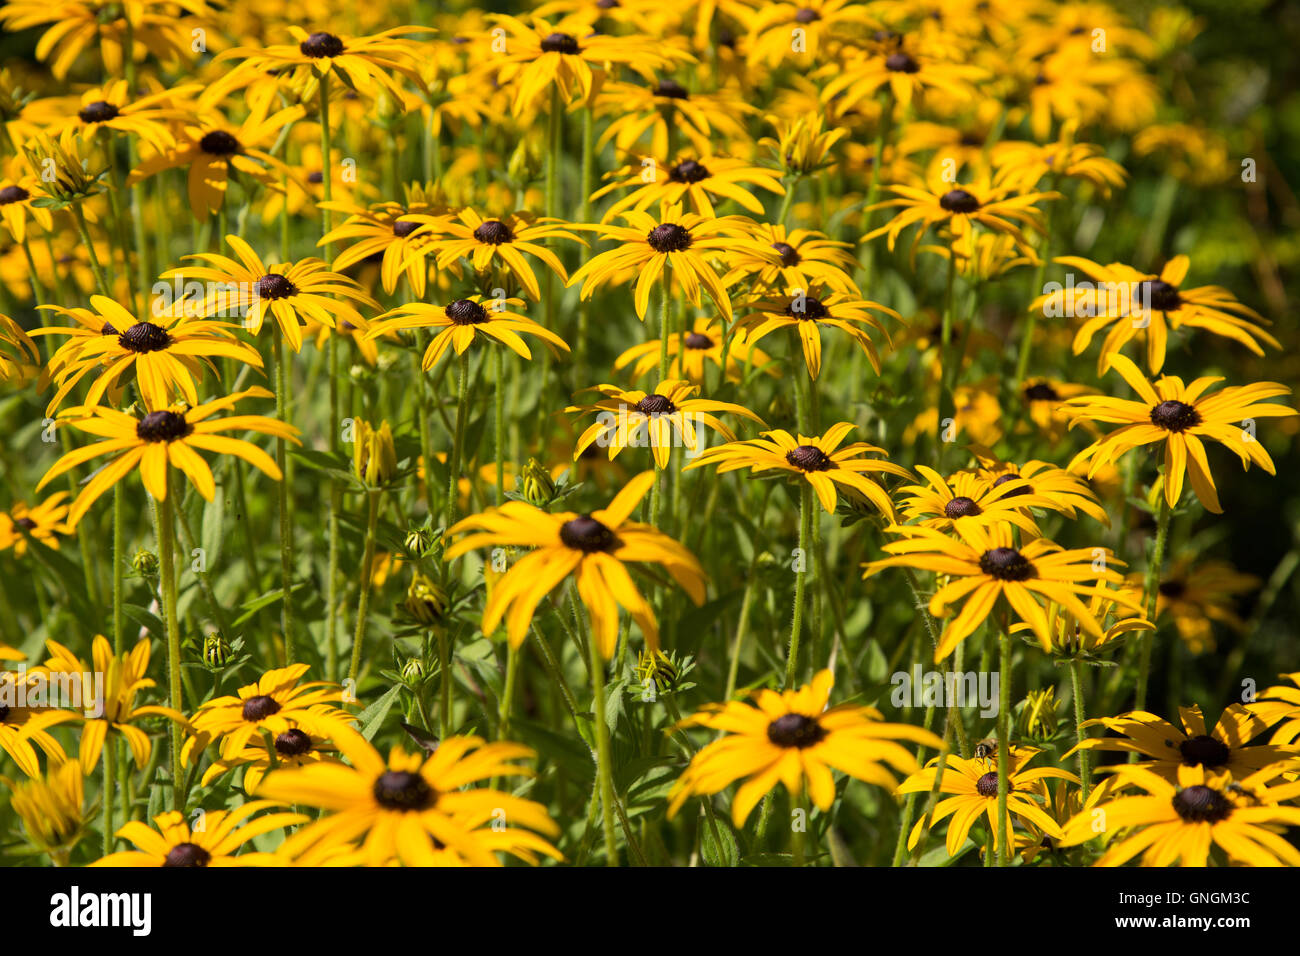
{"x": 51, "y": 807}
{"x": 374, "y": 460}
{"x": 215, "y": 843}
{"x": 790, "y": 738}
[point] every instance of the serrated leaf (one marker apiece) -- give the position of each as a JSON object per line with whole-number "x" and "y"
{"x": 372, "y": 718}
{"x": 714, "y": 854}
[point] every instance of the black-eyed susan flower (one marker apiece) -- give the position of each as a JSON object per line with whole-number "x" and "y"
{"x": 595, "y": 548}
{"x": 112, "y": 107}
{"x": 215, "y": 843}
{"x": 43, "y": 522}
{"x": 415, "y": 808}
{"x": 1196, "y": 594}
{"x": 695, "y": 181}
{"x": 808, "y": 260}
{"x": 124, "y": 677}
{"x": 1180, "y": 821}
{"x": 1279, "y": 707}
{"x": 817, "y": 459}
{"x": 568, "y": 56}
{"x": 1044, "y": 400}
{"x": 501, "y": 243}
{"x": 1163, "y": 748}
{"x": 984, "y": 565}
{"x": 462, "y": 322}
{"x": 816, "y": 23}
{"x": 794, "y": 739}
{"x": 666, "y": 417}
{"x": 1070, "y": 639}
{"x": 1024, "y": 165}
{"x": 363, "y": 63}
{"x": 24, "y": 719}
{"x": 1131, "y": 303}
{"x": 958, "y": 208}
{"x": 907, "y": 69}
{"x": 1067, "y": 492}
{"x": 275, "y": 703}
{"x": 1181, "y": 416}
{"x": 675, "y": 243}
{"x": 382, "y": 229}
{"x": 17, "y": 351}
{"x": 975, "y": 793}
{"x": 663, "y": 109}
{"x": 165, "y": 354}
{"x": 807, "y": 312}
{"x": 292, "y": 748}
{"x": 802, "y": 144}
{"x": 690, "y": 353}
{"x": 967, "y": 497}
{"x": 291, "y": 292}
{"x": 20, "y": 194}
{"x": 162, "y": 438}
{"x": 212, "y": 150}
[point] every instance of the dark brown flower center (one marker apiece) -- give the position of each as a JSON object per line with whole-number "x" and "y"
{"x": 1040, "y": 392}
{"x": 987, "y": 785}
{"x": 1006, "y": 564}
{"x": 1022, "y": 490}
{"x": 901, "y": 63}
{"x": 795, "y": 730}
{"x": 275, "y": 286}
{"x": 961, "y": 507}
{"x": 669, "y": 237}
{"x": 584, "y": 533}
{"x": 789, "y": 254}
{"x": 808, "y": 458}
{"x": 402, "y": 790}
{"x": 671, "y": 90}
{"x": 560, "y": 43}
{"x": 655, "y": 405}
{"x": 694, "y": 340}
{"x": 1203, "y": 750}
{"x": 219, "y": 143}
{"x": 163, "y": 426}
{"x": 316, "y": 177}
{"x": 1159, "y": 295}
{"x": 403, "y": 229}
{"x": 494, "y": 232}
{"x": 806, "y": 307}
{"x": 958, "y": 201}
{"x": 688, "y": 171}
{"x": 607, "y": 4}
{"x": 320, "y": 45}
{"x": 259, "y": 708}
{"x": 98, "y": 112}
{"x": 292, "y": 743}
{"x": 466, "y": 312}
{"x": 1175, "y": 416}
{"x": 1173, "y": 589}
{"x": 144, "y": 337}
{"x": 1201, "y": 804}
{"x": 26, "y": 523}
{"x": 187, "y": 854}
{"x": 11, "y": 194}
{"x": 804, "y": 15}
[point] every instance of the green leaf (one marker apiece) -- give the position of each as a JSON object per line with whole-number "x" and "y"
{"x": 145, "y": 618}
{"x": 372, "y": 718}
{"x": 725, "y": 854}
{"x": 210, "y": 535}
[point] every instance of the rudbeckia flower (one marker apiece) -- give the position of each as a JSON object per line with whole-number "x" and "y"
{"x": 52, "y": 808}
{"x": 124, "y": 677}
{"x": 1180, "y": 415}
{"x": 415, "y": 808}
{"x": 1197, "y": 593}
{"x": 566, "y": 54}
{"x": 43, "y": 523}
{"x": 293, "y": 748}
{"x": 1180, "y": 823}
{"x": 166, "y": 353}
{"x": 793, "y": 738}
{"x": 384, "y": 229}
{"x": 292, "y": 292}
{"x": 501, "y": 243}
{"x": 462, "y": 322}
{"x": 215, "y": 843}
{"x": 170, "y": 436}
{"x": 975, "y": 789}
{"x": 690, "y": 352}
{"x": 1067, "y": 492}
{"x": 275, "y": 703}
{"x": 1130, "y": 302}
{"x": 970, "y": 498}
{"x": 635, "y": 418}
{"x": 697, "y": 182}
{"x": 594, "y": 547}
{"x": 676, "y": 240}
{"x": 112, "y": 107}
{"x": 908, "y": 70}
{"x": 17, "y": 350}
{"x": 1166, "y": 748}
{"x": 215, "y": 149}
{"x": 663, "y": 109}
{"x": 808, "y": 311}
{"x": 816, "y": 459}
{"x": 984, "y": 564}
{"x": 20, "y": 190}
{"x": 1044, "y": 400}
{"x": 1069, "y": 639}
{"x": 1280, "y": 705}
{"x": 808, "y": 260}
{"x": 22, "y": 725}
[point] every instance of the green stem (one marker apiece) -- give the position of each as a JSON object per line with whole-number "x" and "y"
{"x": 166, "y": 535}
{"x": 499, "y": 420}
{"x": 286, "y": 496}
{"x": 1151, "y": 590}
{"x": 508, "y": 695}
{"x": 1080, "y": 734}
{"x": 800, "y": 582}
{"x": 110, "y": 767}
{"x": 604, "y": 772}
{"x": 1004, "y": 749}
{"x": 445, "y": 684}
{"x": 367, "y": 573}
{"x": 458, "y": 441}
